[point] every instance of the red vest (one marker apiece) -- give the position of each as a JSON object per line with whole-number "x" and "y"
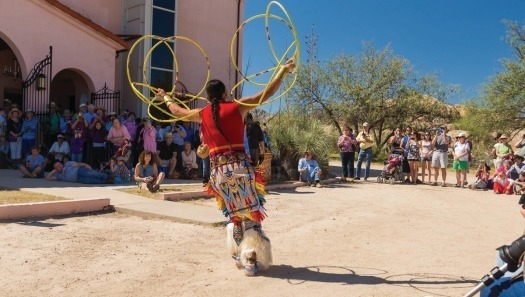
{"x": 231, "y": 124}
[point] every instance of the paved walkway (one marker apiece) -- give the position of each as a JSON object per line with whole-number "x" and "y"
{"x": 138, "y": 205}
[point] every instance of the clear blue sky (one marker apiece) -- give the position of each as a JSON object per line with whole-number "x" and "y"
{"x": 460, "y": 40}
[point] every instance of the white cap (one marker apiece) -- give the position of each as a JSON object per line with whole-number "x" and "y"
{"x": 365, "y": 124}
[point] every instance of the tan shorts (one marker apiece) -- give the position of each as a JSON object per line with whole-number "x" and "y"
{"x": 165, "y": 163}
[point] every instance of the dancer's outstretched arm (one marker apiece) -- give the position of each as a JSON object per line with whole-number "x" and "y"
{"x": 191, "y": 115}
{"x": 263, "y": 95}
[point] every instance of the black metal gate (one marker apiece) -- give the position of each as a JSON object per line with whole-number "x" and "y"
{"x": 107, "y": 98}
{"x": 36, "y": 89}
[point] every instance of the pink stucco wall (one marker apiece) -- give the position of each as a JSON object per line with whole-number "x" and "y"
{"x": 74, "y": 45}
{"x": 106, "y": 13}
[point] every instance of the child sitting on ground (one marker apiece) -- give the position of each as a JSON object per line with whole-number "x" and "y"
{"x": 502, "y": 184}
{"x": 482, "y": 177}
{"x": 120, "y": 171}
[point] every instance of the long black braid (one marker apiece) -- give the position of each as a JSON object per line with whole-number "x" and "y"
{"x": 215, "y": 90}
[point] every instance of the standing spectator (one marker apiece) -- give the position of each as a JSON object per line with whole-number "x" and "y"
{"x": 14, "y": 128}
{"x": 460, "y": 153}
{"x": 60, "y": 150}
{"x": 149, "y": 136}
{"x": 35, "y": 164}
{"x": 159, "y": 132}
{"x": 254, "y": 140}
{"x": 494, "y": 150}
{"x": 167, "y": 152}
{"x": 205, "y": 165}
{"x": 51, "y": 124}
{"x": 147, "y": 175}
{"x": 111, "y": 116}
{"x": 426, "y": 156}
{"x": 404, "y": 142}
{"x": 189, "y": 160}
{"x": 131, "y": 125}
{"x": 65, "y": 124}
{"x": 138, "y": 141}
{"x": 77, "y": 172}
{"x": 4, "y": 150}
{"x": 395, "y": 140}
{"x": 29, "y": 130}
{"x": 99, "y": 134}
{"x": 441, "y": 143}
{"x": 346, "y": 143}
{"x": 3, "y": 121}
{"x": 178, "y": 138}
{"x": 100, "y": 117}
{"x": 413, "y": 148}
{"x": 90, "y": 114}
{"x": 83, "y": 109}
{"x": 190, "y": 133}
{"x": 309, "y": 170}
{"x": 365, "y": 144}
{"x": 503, "y": 150}
{"x": 521, "y": 146}
{"x": 77, "y": 145}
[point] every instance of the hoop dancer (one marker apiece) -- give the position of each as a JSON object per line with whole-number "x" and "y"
{"x": 238, "y": 189}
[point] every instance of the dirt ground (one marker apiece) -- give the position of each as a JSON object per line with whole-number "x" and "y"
{"x": 362, "y": 239}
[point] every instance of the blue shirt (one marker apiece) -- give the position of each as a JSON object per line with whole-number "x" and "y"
{"x": 307, "y": 164}
{"x": 29, "y": 128}
{"x": 35, "y": 161}
{"x": 69, "y": 173}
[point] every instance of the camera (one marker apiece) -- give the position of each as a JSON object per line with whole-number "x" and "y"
{"x": 440, "y": 131}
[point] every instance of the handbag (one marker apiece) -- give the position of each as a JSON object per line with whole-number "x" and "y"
{"x": 203, "y": 151}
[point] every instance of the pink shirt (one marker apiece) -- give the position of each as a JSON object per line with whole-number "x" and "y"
{"x": 122, "y": 132}
{"x": 150, "y": 143}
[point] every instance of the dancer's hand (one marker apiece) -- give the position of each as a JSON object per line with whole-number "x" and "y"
{"x": 161, "y": 93}
{"x": 290, "y": 65}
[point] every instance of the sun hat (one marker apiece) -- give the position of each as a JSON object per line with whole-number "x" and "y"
{"x": 82, "y": 105}
{"x": 365, "y": 124}
{"x": 60, "y": 136}
{"x": 100, "y": 108}
{"x": 30, "y": 110}
{"x": 503, "y": 136}
{"x": 14, "y": 110}
{"x": 461, "y": 135}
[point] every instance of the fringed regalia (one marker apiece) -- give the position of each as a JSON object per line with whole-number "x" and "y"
{"x": 239, "y": 191}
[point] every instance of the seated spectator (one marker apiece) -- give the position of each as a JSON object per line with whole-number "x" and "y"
{"x": 147, "y": 175}
{"x": 482, "y": 177}
{"x": 309, "y": 170}
{"x": 502, "y": 184}
{"x": 167, "y": 152}
{"x": 77, "y": 172}
{"x": 505, "y": 167}
{"x": 119, "y": 171}
{"x": 34, "y": 165}
{"x": 60, "y": 150}
{"x": 189, "y": 161}
{"x": 517, "y": 168}
{"x": 519, "y": 184}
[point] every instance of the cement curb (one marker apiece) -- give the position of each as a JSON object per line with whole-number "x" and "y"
{"x": 189, "y": 195}
{"x": 51, "y": 208}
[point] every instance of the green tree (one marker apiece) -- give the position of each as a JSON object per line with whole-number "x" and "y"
{"x": 500, "y": 108}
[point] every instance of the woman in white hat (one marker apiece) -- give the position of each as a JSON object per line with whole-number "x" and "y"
{"x": 503, "y": 150}
{"x": 29, "y": 130}
{"x": 14, "y": 133}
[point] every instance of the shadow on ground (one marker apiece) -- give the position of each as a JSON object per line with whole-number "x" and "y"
{"x": 423, "y": 282}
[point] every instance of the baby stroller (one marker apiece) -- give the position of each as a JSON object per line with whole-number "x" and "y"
{"x": 393, "y": 169}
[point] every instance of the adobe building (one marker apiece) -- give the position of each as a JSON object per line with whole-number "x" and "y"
{"x": 72, "y": 52}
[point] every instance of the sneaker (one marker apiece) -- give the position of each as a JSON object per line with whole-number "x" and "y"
{"x": 312, "y": 185}
{"x": 357, "y": 178}
{"x": 150, "y": 187}
{"x": 352, "y": 179}
{"x": 319, "y": 185}
{"x": 365, "y": 179}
